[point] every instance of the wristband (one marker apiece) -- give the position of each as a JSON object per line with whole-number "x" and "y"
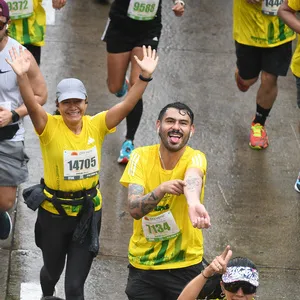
{"x": 202, "y": 272}
{"x": 144, "y": 78}
{"x": 15, "y": 116}
{"x": 180, "y": 1}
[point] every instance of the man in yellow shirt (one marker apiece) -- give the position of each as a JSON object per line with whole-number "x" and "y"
{"x": 165, "y": 197}
{"x": 263, "y": 47}
{"x": 287, "y": 12}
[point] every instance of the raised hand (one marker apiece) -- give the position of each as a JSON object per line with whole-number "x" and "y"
{"x": 219, "y": 264}
{"x": 20, "y": 62}
{"x": 149, "y": 61}
{"x": 178, "y": 9}
{"x": 58, "y": 4}
{"x": 199, "y": 216}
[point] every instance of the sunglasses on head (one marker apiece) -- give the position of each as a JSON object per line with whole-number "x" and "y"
{"x": 233, "y": 287}
{"x": 2, "y": 25}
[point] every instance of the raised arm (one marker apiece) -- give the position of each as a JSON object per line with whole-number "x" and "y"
{"x": 31, "y": 84}
{"x": 218, "y": 265}
{"x": 118, "y": 112}
{"x": 140, "y": 205}
{"x": 288, "y": 16}
{"x": 197, "y": 212}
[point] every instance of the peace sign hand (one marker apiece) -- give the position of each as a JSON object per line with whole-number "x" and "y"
{"x": 149, "y": 61}
{"x": 20, "y": 62}
{"x": 219, "y": 264}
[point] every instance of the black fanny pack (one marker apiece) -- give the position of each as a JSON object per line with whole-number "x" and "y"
{"x": 8, "y": 132}
{"x": 34, "y": 195}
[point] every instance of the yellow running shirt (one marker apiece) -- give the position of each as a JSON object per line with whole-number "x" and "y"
{"x": 29, "y": 30}
{"x": 72, "y": 162}
{"x": 176, "y": 249}
{"x": 295, "y": 64}
{"x": 252, "y": 27}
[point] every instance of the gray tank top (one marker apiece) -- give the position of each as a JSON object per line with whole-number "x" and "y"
{"x": 10, "y": 96}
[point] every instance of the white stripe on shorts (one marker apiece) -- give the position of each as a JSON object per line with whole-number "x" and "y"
{"x": 105, "y": 29}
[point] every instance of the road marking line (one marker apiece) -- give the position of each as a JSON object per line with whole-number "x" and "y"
{"x": 30, "y": 291}
{"x": 222, "y": 193}
{"x": 50, "y": 12}
{"x": 296, "y": 136}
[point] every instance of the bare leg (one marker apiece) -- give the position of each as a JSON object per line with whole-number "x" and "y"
{"x": 117, "y": 64}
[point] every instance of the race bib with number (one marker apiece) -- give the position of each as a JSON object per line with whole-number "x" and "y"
{"x": 80, "y": 164}
{"x": 270, "y": 7}
{"x": 142, "y": 10}
{"x": 20, "y": 9}
{"x": 160, "y": 228}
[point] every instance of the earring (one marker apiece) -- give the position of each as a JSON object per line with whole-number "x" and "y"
{"x": 6, "y": 26}
{"x": 157, "y": 131}
{"x": 191, "y": 134}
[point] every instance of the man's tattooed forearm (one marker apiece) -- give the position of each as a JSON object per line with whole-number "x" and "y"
{"x": 141, "y": 205}
{"x": 192, "y": 183}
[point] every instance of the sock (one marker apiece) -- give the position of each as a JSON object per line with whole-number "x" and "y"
{"x": 261, "y": 115}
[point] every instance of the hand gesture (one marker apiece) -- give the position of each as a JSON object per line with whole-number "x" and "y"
{"x": 199, "y": 216}
{"x": 149, "y": 61}
{"x": 5, "y": 116}
{"x": 219, "y": 264}
{"x": 20, "y": 62}
{"x": 58, "y": 4}
{"x": 178, "y": 9}
{"x": 174, "y": 187}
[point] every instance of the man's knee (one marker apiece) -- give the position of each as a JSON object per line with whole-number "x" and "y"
{"x": 7, "y": 197}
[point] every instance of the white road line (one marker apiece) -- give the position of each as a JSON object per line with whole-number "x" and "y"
{"x": 50, "y": 12}
{"x": 30, "y": 291}
{"x": 296, "y": 135}
{"x": 222, "y": 193}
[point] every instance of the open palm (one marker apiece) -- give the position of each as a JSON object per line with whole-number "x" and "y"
{"x": 20, "y": 62}
{"x": 149, "y": 61}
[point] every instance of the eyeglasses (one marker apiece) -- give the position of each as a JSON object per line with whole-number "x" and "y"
{"x": 2, "y": 25}
{"x": 247, "y": 287}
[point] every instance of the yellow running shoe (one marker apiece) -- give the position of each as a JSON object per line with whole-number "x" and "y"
{"x": 258, "y": 137}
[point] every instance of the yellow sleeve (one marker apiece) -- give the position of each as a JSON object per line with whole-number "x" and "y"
{"x": 133, "y": 172}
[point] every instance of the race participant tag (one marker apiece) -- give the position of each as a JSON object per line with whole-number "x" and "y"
{"x": 160, "y": 228}
{"x": 20, "y": 9}
{"x": 270, "y": 7}
{"x": 80, "y": 164}
{"x": 142, "y": 10}
{"x": 6, "y": 105}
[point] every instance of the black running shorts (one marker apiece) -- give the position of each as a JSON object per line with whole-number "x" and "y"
{"x": 123, "y": 40}
{"x": 252, "y": 60}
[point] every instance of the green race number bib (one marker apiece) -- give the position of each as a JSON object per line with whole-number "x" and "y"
{"x": 142, "y": 10}
{"x": 20, "y": 9}
{"x": 160, "y": 228}
{"x": 270, "y": 7}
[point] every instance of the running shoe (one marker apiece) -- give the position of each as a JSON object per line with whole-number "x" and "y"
{"x": 5, "y": 225}
{"x": 125, "y": 152}
{"x": 297, "y": 184}
{"x": 122, "y": 92}
{"x": 258, "y": 137}
{"x": 239, "y": 82}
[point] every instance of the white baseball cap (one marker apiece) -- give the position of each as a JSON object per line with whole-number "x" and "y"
{"x": 70, "y": 88}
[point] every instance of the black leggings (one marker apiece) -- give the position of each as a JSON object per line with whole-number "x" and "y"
{"x": 53, "y": 234}
{"x": 133, "y": 120}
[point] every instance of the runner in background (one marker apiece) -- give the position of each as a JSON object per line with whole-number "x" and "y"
{"x": 131, "y": 24}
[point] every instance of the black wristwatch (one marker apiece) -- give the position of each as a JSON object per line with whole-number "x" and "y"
{"x": 15, "y": 116}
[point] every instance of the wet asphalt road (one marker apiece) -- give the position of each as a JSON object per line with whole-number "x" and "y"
{"x": 249, "y": 194}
